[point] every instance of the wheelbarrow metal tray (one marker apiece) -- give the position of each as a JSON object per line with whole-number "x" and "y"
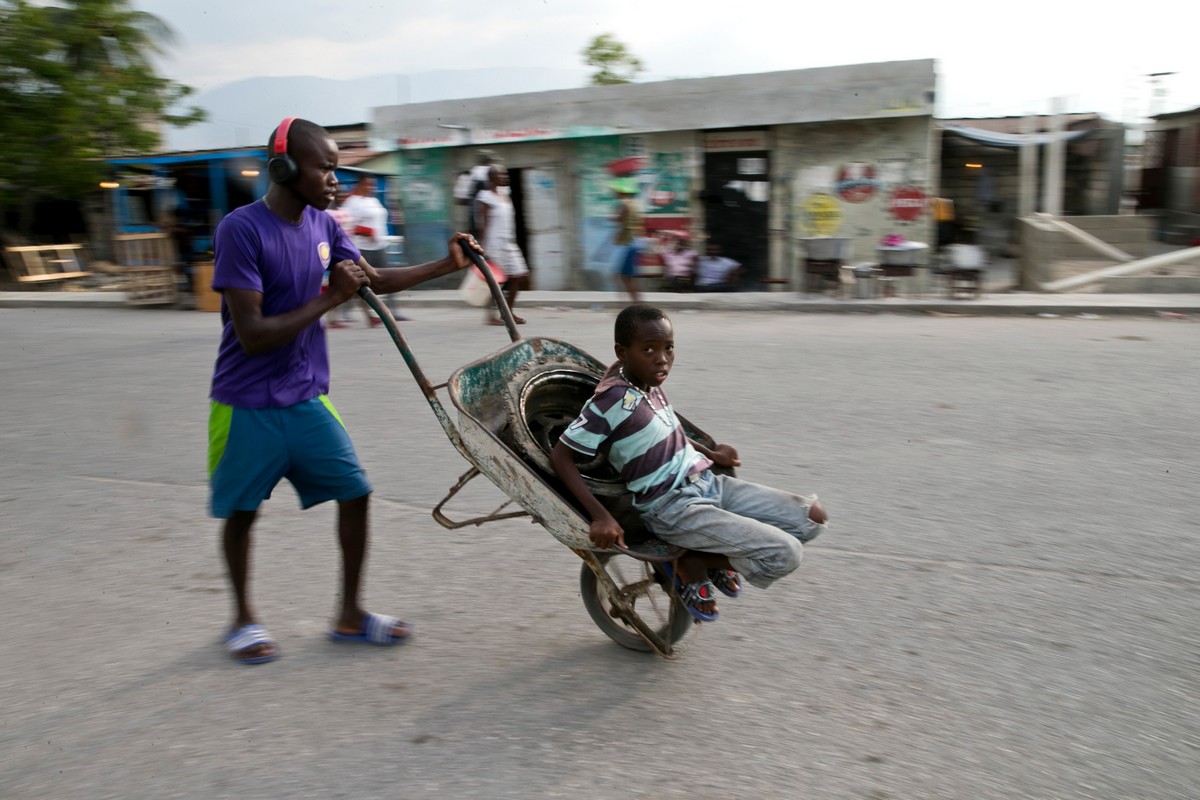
{"x": 477, "y": 391}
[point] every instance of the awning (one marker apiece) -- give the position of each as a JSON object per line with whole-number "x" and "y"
{"x": 996, "y": 139}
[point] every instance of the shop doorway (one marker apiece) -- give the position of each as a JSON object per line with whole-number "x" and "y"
{"x": 737, "y": 193}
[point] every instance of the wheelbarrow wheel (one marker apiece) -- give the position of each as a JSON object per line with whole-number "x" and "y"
{"x": 642, "y": 589}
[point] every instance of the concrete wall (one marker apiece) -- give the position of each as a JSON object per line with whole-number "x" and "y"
{"x": 1043, "y": 249}
{"x": 809, "y": 160}
{"x": 857, "y": 91}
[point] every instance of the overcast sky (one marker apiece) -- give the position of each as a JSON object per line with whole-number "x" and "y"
{"x": 994, "y": 59}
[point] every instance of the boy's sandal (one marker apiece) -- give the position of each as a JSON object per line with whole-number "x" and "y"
{"x": 728, "y": 582}
{"x": 693, "y": 594}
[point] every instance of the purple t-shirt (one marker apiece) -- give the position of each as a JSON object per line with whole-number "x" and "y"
{"x": 256, "y": 250}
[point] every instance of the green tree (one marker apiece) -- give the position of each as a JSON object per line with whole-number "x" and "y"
{"x": 77, "y": 84}
{"x": 612, "y": 60}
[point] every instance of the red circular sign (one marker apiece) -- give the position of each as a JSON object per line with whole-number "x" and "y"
{"x": 856, "y": 182}
{"x": 907, "y": 203}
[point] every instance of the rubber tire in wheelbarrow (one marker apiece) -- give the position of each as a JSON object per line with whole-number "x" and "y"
{"x": 517, "y": 433}
{"x": 673, "y": 631}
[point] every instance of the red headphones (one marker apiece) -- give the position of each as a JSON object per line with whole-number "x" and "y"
{"x": 280, "y": 166}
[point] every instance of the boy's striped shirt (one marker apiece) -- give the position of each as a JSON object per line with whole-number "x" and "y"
{"x": 644, "y": 440}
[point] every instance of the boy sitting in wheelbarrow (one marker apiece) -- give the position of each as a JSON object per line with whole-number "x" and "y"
{"x": 728, "y": 526}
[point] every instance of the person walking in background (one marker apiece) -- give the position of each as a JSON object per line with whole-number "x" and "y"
{"x": 366, "y": 221}
{"x": 467, "y": 187}
{"x": 462, "y": 200}
{"x": 630, "y": 230}
{"x": 496, "y": 228}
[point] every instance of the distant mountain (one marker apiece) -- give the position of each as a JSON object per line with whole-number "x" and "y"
{"x": 242, "y": 114}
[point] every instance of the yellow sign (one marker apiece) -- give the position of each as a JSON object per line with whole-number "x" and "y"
{"x": 820, "y": 214}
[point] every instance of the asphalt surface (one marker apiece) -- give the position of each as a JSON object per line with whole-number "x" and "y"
{"x": 1005, "y": 605}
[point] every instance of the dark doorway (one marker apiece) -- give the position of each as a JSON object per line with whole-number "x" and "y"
{"x": 737, "y": 192}
{"x": 518, "y": 201}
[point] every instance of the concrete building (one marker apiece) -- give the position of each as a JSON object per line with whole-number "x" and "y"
{"x": 189, "y": 193}
{"x": 981, "y": 171}
{"x": 752, "y": 162}
{"x": 1171, "y": 174}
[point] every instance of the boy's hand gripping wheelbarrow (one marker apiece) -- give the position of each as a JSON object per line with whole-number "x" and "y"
{"x": 508, "y": 410}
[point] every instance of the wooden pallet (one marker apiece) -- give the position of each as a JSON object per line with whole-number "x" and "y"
{"x": 146, "y": 262}
{"x": 45, "y": 265}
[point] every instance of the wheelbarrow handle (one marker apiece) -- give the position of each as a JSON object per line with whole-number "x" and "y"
{"x": 494, "y": 286}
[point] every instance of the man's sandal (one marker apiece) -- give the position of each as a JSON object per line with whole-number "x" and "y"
{"x": 728, "y": 582}
{"x": 377, "y": 629}
{"x": 239, "y": 641}
{"x": 693, "y": 594}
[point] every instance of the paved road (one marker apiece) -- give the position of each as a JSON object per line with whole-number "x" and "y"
{"x": 1005, "y": 607}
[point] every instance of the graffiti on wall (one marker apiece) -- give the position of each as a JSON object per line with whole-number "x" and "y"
{"x": 426, "y": 205}
{"x": 596, "y": 199}
{"x": 425, "y": 196}
{"x": 664, "y": 185}
{"x": 660, "y": 183}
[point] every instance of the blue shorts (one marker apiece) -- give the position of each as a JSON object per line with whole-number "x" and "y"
{"x": 250, "y": 449}
{"x": 626, "y": 257}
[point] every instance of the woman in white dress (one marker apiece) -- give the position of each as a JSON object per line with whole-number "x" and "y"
{"x": 496, "y": 231}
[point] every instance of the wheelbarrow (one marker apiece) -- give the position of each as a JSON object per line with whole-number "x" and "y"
{"x": 506, "y": 412}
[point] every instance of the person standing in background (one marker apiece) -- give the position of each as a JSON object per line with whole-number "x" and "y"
{"x": 679, "y": 264}
{"x": 339, "y": 317}
{"x": 366, "y": 222}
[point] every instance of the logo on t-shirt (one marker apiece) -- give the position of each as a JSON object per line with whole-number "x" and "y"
{"x": 323, "y": 252}
{"x": 630, "y": 401}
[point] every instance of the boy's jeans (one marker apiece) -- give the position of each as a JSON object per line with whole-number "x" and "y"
{"x": 759, "y": 528}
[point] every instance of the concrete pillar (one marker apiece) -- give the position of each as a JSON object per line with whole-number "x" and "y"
{"x": 1027, "y": 193}
{"x": 1052, "y": 184}
{"x": 1115, "y": 140}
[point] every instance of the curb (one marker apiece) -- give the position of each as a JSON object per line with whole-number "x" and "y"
{"x": 987, "y": 305}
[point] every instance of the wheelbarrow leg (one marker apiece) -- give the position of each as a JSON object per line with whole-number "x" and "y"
{"x": 623, "y": 610}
